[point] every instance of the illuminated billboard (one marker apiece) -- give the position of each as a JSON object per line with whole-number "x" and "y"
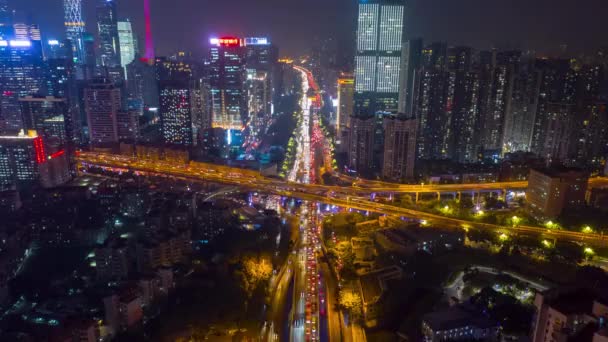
{"x": 226, "y": 41}
{"x": 257, "y": 41}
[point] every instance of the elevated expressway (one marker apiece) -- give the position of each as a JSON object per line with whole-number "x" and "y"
{"x": 340, "y": 196}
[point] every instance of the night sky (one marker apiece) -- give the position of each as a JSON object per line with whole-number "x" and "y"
{"x": 293, "y": 25}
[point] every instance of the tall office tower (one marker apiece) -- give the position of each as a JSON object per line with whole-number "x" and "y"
{"x": 226, "y": 78}
{"x": 21, "y": 74}
{"x": 261, "y": 58}
{"x": 519, "y": 121}
{"x": 399, "y": 148}
{"x": 6, "y": 21}
{"x": 107, "y": 32}
{"x": 200, "y": 106}
{"x": 89, "y": 63}
{"x": 463, "y": 105}
{"x": 142, "y": 84}
{"x": 361, "y": 144}
{"x": 74, "y": 27}
{"x": 20, "y": 158}
{"x": 410, "y": 62}
{"x": 102, "y": 104}
{"x": 346, "y": 108}
{"x": 128, "y": 43}
{"x": 175, "y": 113}
{"x": 259, "y": 99}
{"x": 48, "y": 115}
{"x": 378, "y": 56}
{"x": 433, "y": 112}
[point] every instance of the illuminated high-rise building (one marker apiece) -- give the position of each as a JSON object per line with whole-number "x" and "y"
{"x": 378, "y": 56}
{"x": 346, "y": 103}
{"x": 27, "y": 31}
{"x": 21, "y": 74}
{"x": 226, "y": 78}
{"x": 128, "y": 43}
{"x": 74, "y": 27}
{"x": 6, "y": 27}
{"x": 175, "y": 113}
{"x": 48, "y": 115}
{"x": 20, "y": 158}
{"x": 107, "y": 32}
{"x": 102, "y": 106}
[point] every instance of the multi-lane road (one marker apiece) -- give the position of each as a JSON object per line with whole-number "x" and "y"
{"x": 342, "y": 196}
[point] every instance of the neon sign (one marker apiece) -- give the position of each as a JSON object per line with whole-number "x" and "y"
{"x": 39, "y": 149}
{"x": 225, "y": 41}
{"x": 57, "y": 154}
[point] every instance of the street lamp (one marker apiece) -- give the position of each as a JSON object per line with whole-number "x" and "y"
{"x": 587, "y": 230}
{"x": 589, "y": 251}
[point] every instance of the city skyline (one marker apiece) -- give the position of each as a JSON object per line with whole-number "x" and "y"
{"x": 543, "y": 26}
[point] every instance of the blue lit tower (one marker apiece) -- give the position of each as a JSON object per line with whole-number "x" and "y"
{"x": 6, "y": 26}
{"x": 378, "y": 56}
{"x": 74, "y": 27}
{"x": 107, "y": 29}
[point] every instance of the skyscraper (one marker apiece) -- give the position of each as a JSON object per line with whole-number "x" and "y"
{"x": 410, "y": 62}
{"x": 227, "y": 76}
{"x": 361, "y": 145}
{"x": 128, "y": 43}
{"x": 74, "y": 27}
{"x": 378, "y": 56}
{"x": 399, "y": 148}
{"x": 6, "y": 27}
{"x": 346, "y": 102}
{"x": 21, "y": 74}
{"x": 107, "y": 31}
{"x": 102, "y": 104}
{"x": 175, "y": 113}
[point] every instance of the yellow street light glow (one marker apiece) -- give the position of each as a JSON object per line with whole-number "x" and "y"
{"x": 587, "y": 229}
{"x": 503, "y": 237}
{"x": 547, "y": 244}
{"x": 588, "y": 251}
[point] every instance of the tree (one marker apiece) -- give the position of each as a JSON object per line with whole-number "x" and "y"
{"x": 351, "y": 302}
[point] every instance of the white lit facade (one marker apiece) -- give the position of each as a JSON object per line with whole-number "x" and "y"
{"x": 175, "y": 114}
{"x": 128, "y": 43}
{"x": 378, "y": 56}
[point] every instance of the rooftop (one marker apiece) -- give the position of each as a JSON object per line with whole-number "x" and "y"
{"x": 456, "y": 317}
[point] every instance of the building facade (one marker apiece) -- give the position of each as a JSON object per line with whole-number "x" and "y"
{"x": 399, "y": 148}
{"x": 102, "y": 104}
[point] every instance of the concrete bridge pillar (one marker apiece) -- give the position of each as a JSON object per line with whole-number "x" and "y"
{"x": 438, "y": 196}
{"x": 459, "y": 194}
{"x": 417, "y": 195}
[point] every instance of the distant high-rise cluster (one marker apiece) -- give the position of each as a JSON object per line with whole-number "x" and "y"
{"x": 469, "y": 106}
